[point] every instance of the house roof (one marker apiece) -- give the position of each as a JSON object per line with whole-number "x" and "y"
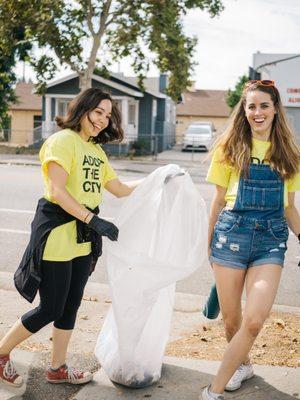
{"x": 119, "y": 81}
{"x": 206, "y": 103}
{"x": 26, "y": 99}
{"x": 151, "y": 84}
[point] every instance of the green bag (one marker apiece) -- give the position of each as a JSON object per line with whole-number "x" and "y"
{"x": 211, "y": 308}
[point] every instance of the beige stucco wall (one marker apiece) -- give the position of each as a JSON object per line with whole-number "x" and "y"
{"x": 22, "y": 126}
{"x": 184, "y": 121}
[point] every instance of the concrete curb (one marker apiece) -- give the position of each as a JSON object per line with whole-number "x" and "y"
{"x": 157, "y": 163}
{"x": 38, "y": 164}
{"x": 184, "y": 302}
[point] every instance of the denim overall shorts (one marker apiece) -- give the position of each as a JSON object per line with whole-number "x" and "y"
{"x": 254, "y": 232}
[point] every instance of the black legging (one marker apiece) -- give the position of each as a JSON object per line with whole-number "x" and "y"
{"x": 61, "y": 292}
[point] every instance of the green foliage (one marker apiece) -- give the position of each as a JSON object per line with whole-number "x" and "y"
{"x": 234, "y": 96}
{"x": 140, "y": 147}
{"x": 142, "y": 27}
{"x": 147, "y": 31}
{"x": 13, "y": 47}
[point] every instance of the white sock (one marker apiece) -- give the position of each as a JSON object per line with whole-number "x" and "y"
{"x": 214, "y": 395}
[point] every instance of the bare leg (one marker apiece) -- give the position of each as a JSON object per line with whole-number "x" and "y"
{"x": 60, "y": 341}
{"x": 16, "y": 335}
{"x": 230, "y": 284}
{"x": 262, "y": 285}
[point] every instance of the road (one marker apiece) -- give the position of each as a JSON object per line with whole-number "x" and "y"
{"x": 21, "y": 187}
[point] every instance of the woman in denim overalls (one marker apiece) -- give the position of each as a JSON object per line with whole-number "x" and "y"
{"x": 255, "y": 169}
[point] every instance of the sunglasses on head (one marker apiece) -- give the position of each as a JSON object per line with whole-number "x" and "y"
{"x": 264, "y": 82}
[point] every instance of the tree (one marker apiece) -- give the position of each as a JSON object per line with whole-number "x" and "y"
{"x": 233, "y": 96}
{"x": 79, "y": 31}
{"x": 15, "y": 45}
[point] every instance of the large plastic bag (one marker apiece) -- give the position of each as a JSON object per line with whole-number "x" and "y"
{"x": 162, "y": 239}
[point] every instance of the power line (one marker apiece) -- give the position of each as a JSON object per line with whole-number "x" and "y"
{"x": 276, "y": 61}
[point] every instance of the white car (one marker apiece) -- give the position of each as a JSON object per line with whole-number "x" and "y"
{"x": 199, "y": 135}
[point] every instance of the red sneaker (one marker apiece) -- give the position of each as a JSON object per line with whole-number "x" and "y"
{"x": 8, "y": 374}
{"x": 66, "y": 374}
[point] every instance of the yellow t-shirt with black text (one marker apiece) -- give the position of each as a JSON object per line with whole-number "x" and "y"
{"x": 88, "y": 172}
{"x": 226, "y": 176}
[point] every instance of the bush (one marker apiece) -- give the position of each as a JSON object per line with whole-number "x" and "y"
{"x": 140, "y": 147}
{"x": 20, "y": 150}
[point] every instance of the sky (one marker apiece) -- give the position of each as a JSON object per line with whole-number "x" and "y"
{"x": 226, "y": 44}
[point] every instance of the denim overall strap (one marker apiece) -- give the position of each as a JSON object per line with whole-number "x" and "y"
{"x": 261, "y": 194}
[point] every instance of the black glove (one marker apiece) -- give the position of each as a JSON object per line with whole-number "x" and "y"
{"x": 104, "y": 228}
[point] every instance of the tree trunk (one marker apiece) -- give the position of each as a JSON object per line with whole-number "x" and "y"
{"x": 85, "y": 78}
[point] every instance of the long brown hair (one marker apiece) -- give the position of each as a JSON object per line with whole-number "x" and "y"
{"x": 236, "y": 142}
{"x": 82, "y": 105}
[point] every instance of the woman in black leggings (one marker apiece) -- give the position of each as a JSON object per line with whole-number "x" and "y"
{"x": 66, "y": 231}
{"x": 61, "y": 291}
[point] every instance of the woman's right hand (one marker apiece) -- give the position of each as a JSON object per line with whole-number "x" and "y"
{"x": 104, "y": 228}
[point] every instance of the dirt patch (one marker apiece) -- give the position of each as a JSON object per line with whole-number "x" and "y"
{"x": 277, "y": 344}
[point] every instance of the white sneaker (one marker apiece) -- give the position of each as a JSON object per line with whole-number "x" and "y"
{"x": 207, "y": 395}
{"x": 244, "y": 372}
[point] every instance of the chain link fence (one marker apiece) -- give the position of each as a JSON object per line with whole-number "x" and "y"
{"x": 131, "y": 146}
{"x": 141, "y": 146}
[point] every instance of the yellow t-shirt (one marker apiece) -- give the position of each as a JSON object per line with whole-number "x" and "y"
{"x": 88, "y": 172}
{"x": 224, "y": 175}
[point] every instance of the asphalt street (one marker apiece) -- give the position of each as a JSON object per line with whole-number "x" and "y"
{"x": 21, "y": 187}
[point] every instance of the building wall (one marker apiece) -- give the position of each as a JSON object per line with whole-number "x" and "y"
{"x": 22, "y": 126}
{"x": 145, "y": 113}
{"x": 293, "y": 115}
{"x": 287, "y": 79}
{"x": 184, "y": 121}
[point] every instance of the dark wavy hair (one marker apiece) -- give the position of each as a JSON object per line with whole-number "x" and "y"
{"x": 82, "y": 105}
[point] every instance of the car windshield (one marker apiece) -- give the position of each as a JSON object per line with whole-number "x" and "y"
{"x": 199, "y": 130}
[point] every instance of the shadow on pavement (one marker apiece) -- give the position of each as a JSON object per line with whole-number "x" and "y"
{"x": 177, "y": 383}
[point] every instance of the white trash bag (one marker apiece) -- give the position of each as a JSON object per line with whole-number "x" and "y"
{"x": 162, "y": 239}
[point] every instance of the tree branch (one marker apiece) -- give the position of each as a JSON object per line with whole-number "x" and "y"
{"x": 103, "y": 17}
{"x": 90, "y": 17}
{"x": 86, "y": 77}
{"x": 71, "y": 64}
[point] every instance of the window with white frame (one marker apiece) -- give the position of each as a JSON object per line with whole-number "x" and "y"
{"x": 154, "y": 108}
{"x": 131, "y": 114}
{"x": 168, "y": 111}
{"x": 62, "y": 106}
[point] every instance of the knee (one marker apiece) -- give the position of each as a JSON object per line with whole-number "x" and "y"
{"x": 231, "y": 324}
{"x": 52, "y": 314}
{"x": 73, "y": 307}
{"x": 253, "y": 325}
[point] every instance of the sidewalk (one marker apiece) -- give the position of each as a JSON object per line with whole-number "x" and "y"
{"x": 182, "y": 379}
{"x": 192, "y": 163}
